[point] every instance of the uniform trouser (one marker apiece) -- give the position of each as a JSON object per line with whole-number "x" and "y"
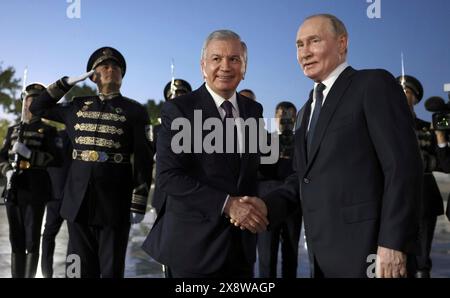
{"x": 53, "y": 222}
{"x": 426, "y": 233}
{"x": 25, "y": 223}
{"x": 268, "y": 242}
{"x": 101, "y": 249}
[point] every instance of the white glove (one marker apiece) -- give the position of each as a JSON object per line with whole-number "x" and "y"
{"x": 73, "y": 80}
{"x": 136, "y": 217}
{"x": 21, "y": 149}
{"x": 8, "y": 176}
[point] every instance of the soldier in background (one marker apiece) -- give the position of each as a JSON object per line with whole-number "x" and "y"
{"x": 173, "y": 89}
{"x": 34, "y": 144}
{"x": 431, "y": 204}
{"x": 53, "y": 220}
{"x": 270, "y": 177}
{"x": 248, "y": 93}
{"x": 110, "y": 176}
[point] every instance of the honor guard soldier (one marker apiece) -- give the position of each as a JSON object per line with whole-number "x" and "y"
{"x": 53, "y": 220}
{"x": 28, "y": 149}
{"x": 110, "y": 173}
{"x": 432, "y": 204}
{"x": 174, "y": 88}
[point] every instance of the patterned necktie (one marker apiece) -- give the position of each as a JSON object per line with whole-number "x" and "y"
{"x": 315, "y": 116}
{"x": 228, "y": 107}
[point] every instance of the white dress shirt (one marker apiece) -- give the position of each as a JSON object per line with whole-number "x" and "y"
{"x": 328, "y": 82}
{"x": 218, "y": 100}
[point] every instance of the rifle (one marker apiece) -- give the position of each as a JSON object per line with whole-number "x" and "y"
{"x": 18, "y": 162}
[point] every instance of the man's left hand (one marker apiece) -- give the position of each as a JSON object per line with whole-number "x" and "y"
{"x": 390, "y": 263}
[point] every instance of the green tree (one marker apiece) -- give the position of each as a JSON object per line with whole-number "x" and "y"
{"x": 10, "y": 91}
{"x": 154, "y": 110}
{"x": 4, "y": 124}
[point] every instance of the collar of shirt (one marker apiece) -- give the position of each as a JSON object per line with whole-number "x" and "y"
{"x": 218, "y": 100}
{"x": 329, "y": 81}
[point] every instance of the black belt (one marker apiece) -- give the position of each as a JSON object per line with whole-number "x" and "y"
{"x": 100, "y": 156}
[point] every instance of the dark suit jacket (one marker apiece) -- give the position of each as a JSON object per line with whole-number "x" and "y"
{"x": 191, "y": 234}
{"x": 361, "y": 185}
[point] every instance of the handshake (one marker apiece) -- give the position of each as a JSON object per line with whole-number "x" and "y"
{"x": 247, "y": 213}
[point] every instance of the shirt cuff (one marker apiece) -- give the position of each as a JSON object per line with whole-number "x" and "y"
{"x": 226, "y": 200}
{"x": 442, "y": 145}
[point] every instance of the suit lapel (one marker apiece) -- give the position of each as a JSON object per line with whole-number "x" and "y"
{"x": 328, "y": 109}
{"x": 207, "y": 104}
{"x": 243, "y": 113}
{"x": 302, "y": 130}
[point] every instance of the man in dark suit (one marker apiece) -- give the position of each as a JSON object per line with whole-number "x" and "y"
{"x": 192, "y": 234}
{"x": 110, "y": 175}
{"x": 357, "y": 161}
{"x": 432, "y": 204}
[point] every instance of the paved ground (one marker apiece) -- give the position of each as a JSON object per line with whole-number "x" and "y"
{"x": 139, "y": 264}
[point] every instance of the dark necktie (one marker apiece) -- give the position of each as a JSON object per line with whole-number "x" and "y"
{"x": 315, "y": 116}
{"x": 234, "y": 156}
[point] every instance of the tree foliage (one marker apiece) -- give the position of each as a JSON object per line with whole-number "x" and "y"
{"x": 154, "y": 110}
{"x": 10, "y": 89}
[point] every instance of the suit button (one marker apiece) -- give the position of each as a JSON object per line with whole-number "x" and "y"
{"x": 306, "y": 180}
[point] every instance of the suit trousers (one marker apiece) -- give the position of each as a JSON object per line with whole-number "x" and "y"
{"x": 235, "y": 266}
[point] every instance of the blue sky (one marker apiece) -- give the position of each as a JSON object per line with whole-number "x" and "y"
{"x": 38, "y": 34}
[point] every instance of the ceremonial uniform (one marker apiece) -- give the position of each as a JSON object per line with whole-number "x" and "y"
{"x": 110, "y": 173}
{"x": 431, "y": 203}
{"x": 31, "y": 190}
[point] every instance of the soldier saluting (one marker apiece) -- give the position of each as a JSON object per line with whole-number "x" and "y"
{"x": 28, "y": 149}
{"x": 111, "y": 170}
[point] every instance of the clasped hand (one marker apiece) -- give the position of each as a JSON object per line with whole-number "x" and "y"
{"x": 247, "y": 213}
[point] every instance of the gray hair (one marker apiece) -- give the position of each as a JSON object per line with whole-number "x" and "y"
{"x": 336, "y": 24}
{"x": 223, "y": 35}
